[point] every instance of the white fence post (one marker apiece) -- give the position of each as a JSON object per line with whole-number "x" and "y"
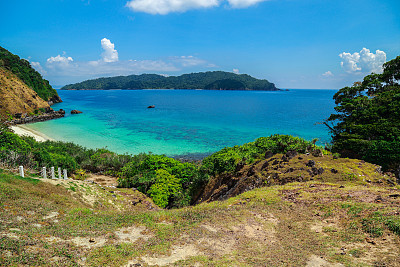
{"x": 44, "y": 174}
{"x": 52, "y": 173}
{"x": 65, "y": 175}
{"x": 21, "y": 171}
{"x": 59, "y": 173}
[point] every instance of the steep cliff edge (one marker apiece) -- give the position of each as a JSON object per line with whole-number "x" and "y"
{"x": 16, "y": 97}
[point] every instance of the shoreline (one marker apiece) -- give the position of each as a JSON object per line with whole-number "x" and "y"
{"x": 24, "y": 130}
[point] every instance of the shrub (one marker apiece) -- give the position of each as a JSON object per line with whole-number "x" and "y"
{"x": 164, "y": 188}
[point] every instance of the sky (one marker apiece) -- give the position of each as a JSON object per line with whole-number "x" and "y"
{"x": 312, "y": 44}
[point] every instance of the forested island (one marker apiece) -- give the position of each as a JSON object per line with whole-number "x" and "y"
{"x": 211, "y": 80}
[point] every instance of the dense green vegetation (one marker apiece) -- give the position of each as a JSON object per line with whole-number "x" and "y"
{"x": 227, "y": 159}
{"x": 169, "y": 182}
{"x": 23, "y": 70}
{"x": 367, "y": 122}
{"x": 215, "y": 80}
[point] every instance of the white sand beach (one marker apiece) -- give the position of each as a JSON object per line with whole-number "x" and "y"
{"x": 22, "y": 130}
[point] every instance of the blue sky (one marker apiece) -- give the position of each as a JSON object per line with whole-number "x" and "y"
{"x": 293, "y": 43}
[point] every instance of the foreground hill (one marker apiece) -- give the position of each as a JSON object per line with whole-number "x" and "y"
{"x": 71, "y": 223}
{"x": 23, "y": 70}
{"x": 216, "y": 80}
{"x": 16, "y": 96}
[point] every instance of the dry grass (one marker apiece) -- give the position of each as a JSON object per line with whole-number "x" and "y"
{"x": 283, "y": 225}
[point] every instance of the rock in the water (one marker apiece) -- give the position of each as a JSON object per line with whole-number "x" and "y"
{"x": 152, "y": 106}
{"x": 76, "y": 111}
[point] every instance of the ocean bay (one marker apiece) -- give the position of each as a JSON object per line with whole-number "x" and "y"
{"x": 184, "y": 122}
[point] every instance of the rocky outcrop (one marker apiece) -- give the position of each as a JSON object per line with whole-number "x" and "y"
{"x": 54, "y": 99}
{"x": 76, "y": 111}
{"x": 280, "y": 169}
{"x": 25, "y": 118}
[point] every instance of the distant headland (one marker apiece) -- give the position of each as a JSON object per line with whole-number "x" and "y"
{"x": 211, "y": 80}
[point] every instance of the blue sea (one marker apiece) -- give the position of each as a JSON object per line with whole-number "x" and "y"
{"x": 186, "y": 122}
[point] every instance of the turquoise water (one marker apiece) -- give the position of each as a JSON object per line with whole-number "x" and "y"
{"x": 186, "y": 121}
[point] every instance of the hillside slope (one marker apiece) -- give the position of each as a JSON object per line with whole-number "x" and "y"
{"x": 212, "y": 80}
{"x": 71, "y": 223}
{"x": 280, "y": 169}
{"x": 23, "y": 70}
{"x": 17, "y": 97}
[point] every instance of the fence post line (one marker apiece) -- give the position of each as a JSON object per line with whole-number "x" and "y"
{"x": 44, "y": 174}
{"x": 52, "y": 173}
{"x": 65, "y": 175}
{"x": 21, "y": 171}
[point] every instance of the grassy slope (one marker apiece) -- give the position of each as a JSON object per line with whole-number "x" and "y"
{"x": 276, "y": 170}
{"x": 78, "y": 223}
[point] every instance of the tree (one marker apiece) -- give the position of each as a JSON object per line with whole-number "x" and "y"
{"x": 367, "y": 122}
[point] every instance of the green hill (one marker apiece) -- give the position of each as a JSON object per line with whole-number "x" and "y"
{"x": 24, "y": 71}
{"x": 212, "y": 80}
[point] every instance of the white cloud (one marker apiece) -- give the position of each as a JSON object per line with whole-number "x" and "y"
{"x": 60, "y": 59}
{"x": 244, "y": 3}
{"x": 363, "y": 62}
{"x": 188, "y": 61}
{"x": 109, "y": 54}
{"x": 328, "y": 74}
{"x": 236, "y": 71}
{"x": 38, "y": 67}
{"x": 163, "y": 7}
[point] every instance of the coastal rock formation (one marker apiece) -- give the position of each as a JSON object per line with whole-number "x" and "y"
{"x": 152, "y": 106}
{"x": 25, "y": 118}
{"x": 76, "y": 111}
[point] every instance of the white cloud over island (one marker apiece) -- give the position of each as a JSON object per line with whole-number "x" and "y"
{"x": 163, "y": 7}
{"x": 109, "y": 54}
{"x": 62, "y": 69}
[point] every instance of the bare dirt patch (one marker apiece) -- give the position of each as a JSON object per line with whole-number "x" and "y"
{"x": 131, "y": 234}
{"x": 103, "y": 180}
{"x": 89, "y": 242}
{"x": 316, "y": 261}
{"x": 177, "y": 254}
{"x": 322, "y": 226}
